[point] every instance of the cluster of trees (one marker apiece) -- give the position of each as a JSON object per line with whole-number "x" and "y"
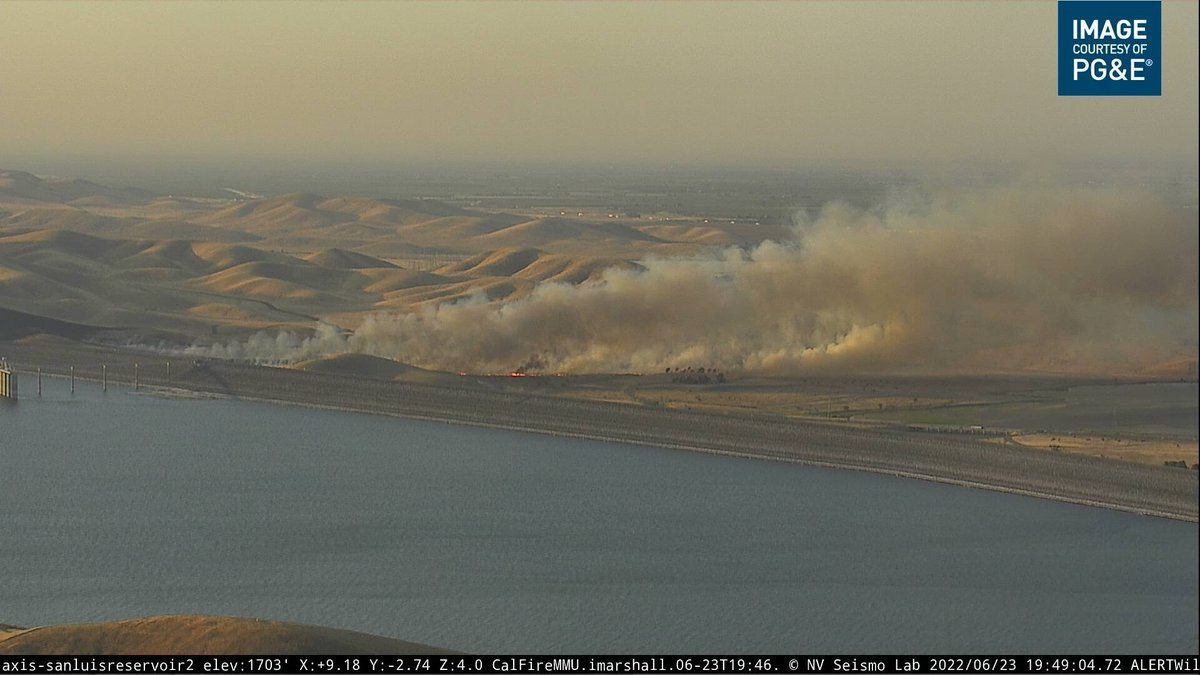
{"x": 691, "y": 375}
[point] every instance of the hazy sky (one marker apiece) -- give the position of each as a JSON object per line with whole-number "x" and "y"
{"x": 659, "y": 82}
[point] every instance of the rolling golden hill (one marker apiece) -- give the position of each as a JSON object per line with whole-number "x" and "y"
{"x": 133, "y": 262}
{"x": 201, "y": 635}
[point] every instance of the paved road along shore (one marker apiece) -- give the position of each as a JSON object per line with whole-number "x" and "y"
{"x": 1158, "y": 491}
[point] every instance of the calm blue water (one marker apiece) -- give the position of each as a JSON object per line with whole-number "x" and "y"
{"x": 118, "y": 505}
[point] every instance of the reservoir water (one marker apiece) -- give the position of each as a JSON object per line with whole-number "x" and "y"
{"x": 115, "y": 505}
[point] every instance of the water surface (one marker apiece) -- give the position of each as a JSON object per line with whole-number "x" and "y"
{"x": 119, "y": 505}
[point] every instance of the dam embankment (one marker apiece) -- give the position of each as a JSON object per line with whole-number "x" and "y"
{"x": 1156, "y": 491}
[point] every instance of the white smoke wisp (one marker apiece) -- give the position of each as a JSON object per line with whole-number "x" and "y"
{"x": 1065, "y": 280}
{"x": 278, "y": 347}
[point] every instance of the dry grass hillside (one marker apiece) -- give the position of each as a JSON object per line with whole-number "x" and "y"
{"x": 130, "y": 261}
{"x": 199, "y": 635}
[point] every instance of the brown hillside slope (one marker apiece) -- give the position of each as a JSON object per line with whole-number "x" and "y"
{"x": 14, "y": 324}
{"x": 337, "y": 258}
{"x": 358, "y": 365}
{"x": 27, "y": 186}
{"x": 201, "y": 635}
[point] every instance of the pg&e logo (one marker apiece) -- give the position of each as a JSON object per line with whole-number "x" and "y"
{"x": 1109, "y": 48}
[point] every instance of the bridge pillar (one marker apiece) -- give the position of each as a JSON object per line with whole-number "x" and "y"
{"x": 8, "y": 381}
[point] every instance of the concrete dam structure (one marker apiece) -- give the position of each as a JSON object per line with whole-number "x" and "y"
{"x": 8, "y": 381}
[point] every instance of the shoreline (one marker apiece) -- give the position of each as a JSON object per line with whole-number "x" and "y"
{"x": 691, "y": 448}
{"x": 1162, "y": 492}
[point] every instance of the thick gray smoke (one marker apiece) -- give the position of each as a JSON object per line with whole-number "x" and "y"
{"x": 1065, "y": 280}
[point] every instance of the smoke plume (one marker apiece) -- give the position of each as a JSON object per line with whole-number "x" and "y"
{"x": 1053, "y": 280}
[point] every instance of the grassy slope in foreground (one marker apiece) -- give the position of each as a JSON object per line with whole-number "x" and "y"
{"x": 200, "y": 635}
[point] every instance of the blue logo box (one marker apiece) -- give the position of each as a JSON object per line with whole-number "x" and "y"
{"x": 1109, "y": 48}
